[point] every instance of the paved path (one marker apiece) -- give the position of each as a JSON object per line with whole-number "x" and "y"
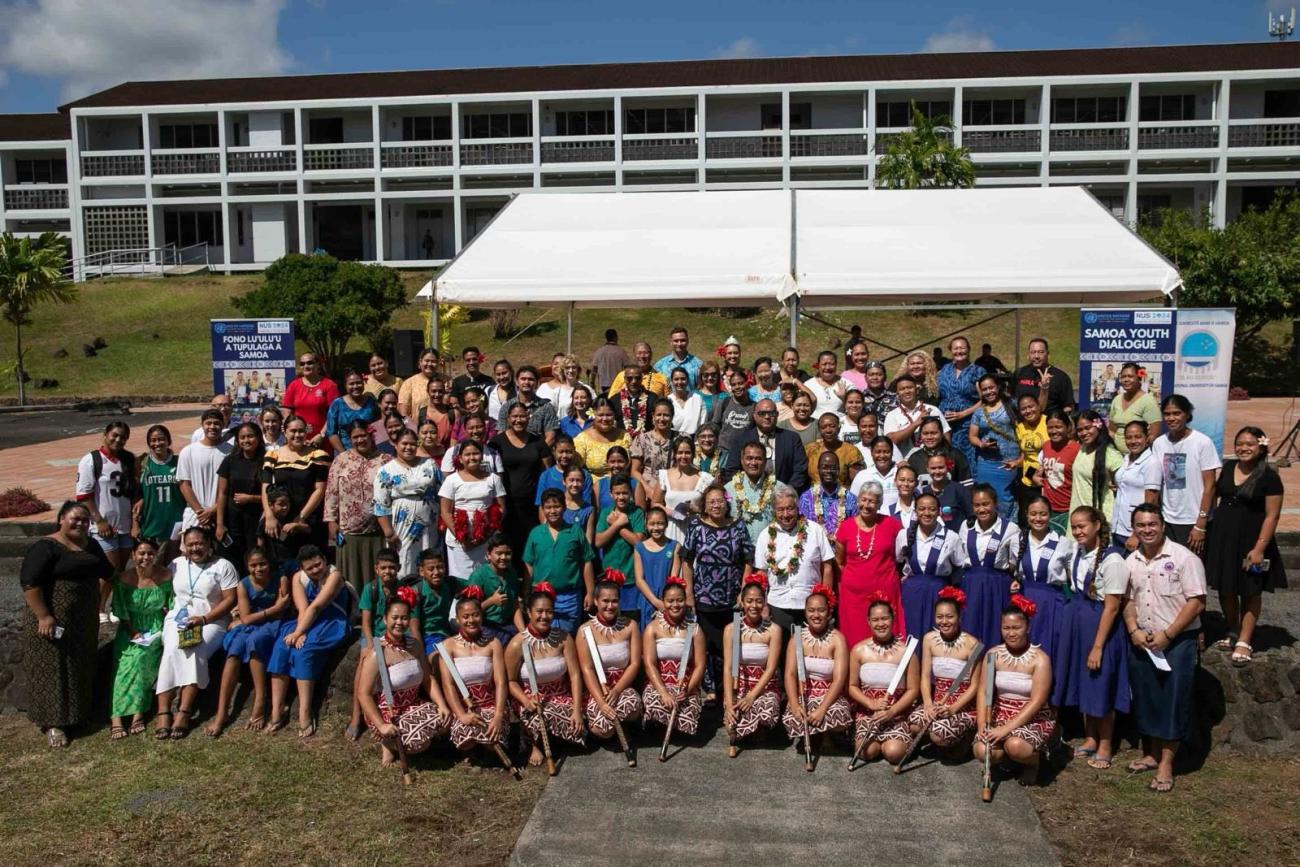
{"x": 762, "y": 807}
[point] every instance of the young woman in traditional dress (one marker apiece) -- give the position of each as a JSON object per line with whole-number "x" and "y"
{"x": 482, "y": 718}
{"x": 558, "y": 702}
{"x": 944, "y": 653}
{"x": 826, "y": 660}
{"x": 668, "y": 687}
{"x": 880, "y": 717}
{"x": 618, "y": 641}
{"x": 753, "y": 701}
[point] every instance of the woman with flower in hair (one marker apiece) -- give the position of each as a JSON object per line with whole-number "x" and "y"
{"x": 1091, "y": 661}
{"x": 1094, "y": 466}
{"x": 418, "y": 712}
{"x": 558, "y": 701}
{"x": 753, "y": 700}
{"x": 473, "y": 500}
{"x": 945, "y": 651}
{"x": 668, "y": 687}
{"x": 880, "y": 716}
{"x": 482, "y": 717}
{"x": 1242, "y": 559}
{"x": 929, "y": 555}
{"x": 1019, "y": 723}
{"x": 618, "y": 641}
{"x": 826, "y": 661}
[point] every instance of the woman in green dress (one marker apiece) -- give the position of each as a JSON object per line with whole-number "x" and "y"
{"x": 141, "y": 598}
{"x": 160, "y": 507}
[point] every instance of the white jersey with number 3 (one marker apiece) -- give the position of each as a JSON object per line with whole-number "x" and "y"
{"x": 108, "y": 491}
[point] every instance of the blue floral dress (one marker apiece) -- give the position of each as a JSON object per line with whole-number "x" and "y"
{"x": 408, "y": 496}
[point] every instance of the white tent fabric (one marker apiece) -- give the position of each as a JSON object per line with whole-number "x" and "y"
{"x": 843, "y": 247}
{"x": 727, "y": 248}
{"x": 1043, "y": 246}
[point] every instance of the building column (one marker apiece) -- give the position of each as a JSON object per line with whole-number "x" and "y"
{"x": 869, "y": 124}
{"x": 298, "y": 182}
{"x": 1044, "y": 134}
{"x": 146, "y": 141}
{"x": 1223, "y": 113}
{"x": 537, "y": 143}
{"x": 457, "y": 217}
{"x": 1134, "y": 112}
{"x": 226, "y": 241}
{"x": 618, "y": 143}
{"x": 701, "y": 124}
{"x": 957, "y": 115}
{"x": 381, "y": 213}
{"x": 785, "y": 137}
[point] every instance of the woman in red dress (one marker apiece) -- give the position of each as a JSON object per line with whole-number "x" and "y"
{"x": 864, "y": 550}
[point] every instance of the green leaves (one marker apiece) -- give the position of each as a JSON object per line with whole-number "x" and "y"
{"x": 924, "y": 157}
{"x": 31, "y": 273}
{"x": 330, "y": 301}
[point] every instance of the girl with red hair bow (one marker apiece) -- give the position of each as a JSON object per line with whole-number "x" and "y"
{"x": 880, "y": 716}
{"x": 482, "y": 717}
{"x": 944, "y": 653}
{"x": 668, "y": 686}
{"x": 1020, "y": 722}
{"x": 558, "y": 701}
{"x": 826, "y": 661}
{"x": 752, "y": 700}
{"x": 618, "y": 642}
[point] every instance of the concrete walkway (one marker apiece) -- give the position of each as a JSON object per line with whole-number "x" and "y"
{"x": 702, "y": 808}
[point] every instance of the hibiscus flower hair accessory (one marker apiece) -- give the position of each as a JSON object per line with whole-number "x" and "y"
{"x": 756, "y": 579}
{"x": 955, "y": 595}
{"x": 1027, "y": 608}
{"x": 826, "y": 592}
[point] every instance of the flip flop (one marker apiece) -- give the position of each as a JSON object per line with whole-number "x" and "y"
{"x": 1099, "y": 764}
{"x": 1141, "y": 767}
{"x": 1225, "y": 643}
{"x": 116, "y": 733}
{"x": 138, "y": 727}
{"x": 1161, "y": 787}
{"x": 1239, "y": 659}
{"x": 1084, "y": 752}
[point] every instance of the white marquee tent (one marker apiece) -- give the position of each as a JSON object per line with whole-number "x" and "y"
{"x": 825, "y": 248}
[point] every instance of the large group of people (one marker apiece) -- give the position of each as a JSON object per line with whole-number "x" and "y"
{"x": 846, "y": 553}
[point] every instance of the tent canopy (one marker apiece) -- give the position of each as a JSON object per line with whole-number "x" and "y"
{"x": 829, "y": 247}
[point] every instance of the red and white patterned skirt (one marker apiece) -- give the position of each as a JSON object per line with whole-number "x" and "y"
{"x": 1040, "y": 728}
{"x": 688, "y": 709}
{"x": 895, "y": 729}
{"x": 627, "y": 706}
{"x": 483, "y": 701}
{"x": 418, "y": 722}
{"x": 557, "y": 710}
{"x": 947, "y": 731}
{"x": 765, "y": 712}
{"x": 838, "y": 716}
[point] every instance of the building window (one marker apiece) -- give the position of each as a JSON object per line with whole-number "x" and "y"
{"x": 119, "y": 227}
{"x": 594, "y": 122}
{"x": 1169, "y": 106}
{"x": 513, "y": 125}
{"x": 991, "y": 112}
{"x": 187, "y": 135}
{"x": 186, "y": 228}
{"x": 894, "y": 114}
{"x": 1282, "y": 103}
{"x": 1089, "y": 109}
{"x": 426, "y": 128}
{"x": 42, "y": 171}
{"x": 659, "y": 120}
{"x": 325, "y": 130}
{"x": 800, "y": 115}
{"x": 1150, "y": 205}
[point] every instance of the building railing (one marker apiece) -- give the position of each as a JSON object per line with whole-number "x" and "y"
{"x": 112, "y": 164}
{"x": 405, "y": 155}
{"x": 828, "y": 143}
{"x": 1178, "y": 136}
{"x": 36, "y": 198}
{"x": 1001, "y": 140}
{"x": 578, "y": 149}
{"x": 886, "y": 135}
{"x": 1264, "y": 134}
{"x": 497, "y": 152}
{"x": 640, "y": 147}
{"x": 138, "y": 261}
{"x": 1087, "y": 137}
{"x": 185, "y": 162}
{"x": 720, "y": 146}
{"x": 327, "y": 158}
{"x": 241, "y": 160}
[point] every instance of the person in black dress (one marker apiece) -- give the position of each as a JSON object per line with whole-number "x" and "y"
{"x": 301, "y": 469}
{"x": 62, "y": 577}
{"x": 1242, "y": 560}
{"x": 239, "y": 494}
{"x": 524, "y": 457}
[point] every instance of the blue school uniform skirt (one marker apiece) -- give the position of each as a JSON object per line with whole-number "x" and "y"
{"x": 1095, "y": 693}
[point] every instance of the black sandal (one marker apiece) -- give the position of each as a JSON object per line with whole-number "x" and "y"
{"x": 179, "y": 732}
{"x": 117, "y": 733}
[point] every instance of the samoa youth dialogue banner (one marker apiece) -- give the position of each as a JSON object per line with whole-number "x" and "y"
{"x": 252, "y": 362}
{"x": 1188, "y": 351}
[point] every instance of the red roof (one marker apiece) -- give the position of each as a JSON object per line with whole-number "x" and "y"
{"x": 704, "y": 73}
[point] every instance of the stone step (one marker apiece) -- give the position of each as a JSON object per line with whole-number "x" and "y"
{"x": 25, "y": 530}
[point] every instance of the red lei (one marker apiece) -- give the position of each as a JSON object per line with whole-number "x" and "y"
{"x": 473, "y": 528}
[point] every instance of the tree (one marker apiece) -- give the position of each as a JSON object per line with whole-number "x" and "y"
{"x": 1252, "y": 264}
{"x": 924, "y": 157}
{"x": 31, "y": 273}
{"x": 330, "y": 301}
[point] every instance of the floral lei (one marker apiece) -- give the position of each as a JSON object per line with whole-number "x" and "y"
{"x": 841, "y": 505}
{"x": 796, "y": 553}
{"x": 473, "y": 529}
{"x": 742, "y": 502}
{"x": 625, "y": 403}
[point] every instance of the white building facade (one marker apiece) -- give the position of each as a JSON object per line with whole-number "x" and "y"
{"x": 405, "y": 168}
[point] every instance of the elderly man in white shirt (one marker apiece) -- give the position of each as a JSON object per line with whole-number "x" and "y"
{"x": 796, "y": 554}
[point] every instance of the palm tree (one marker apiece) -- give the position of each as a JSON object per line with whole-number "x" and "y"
{"x": 924, "y": 157}
{"x": 31, "y": 273}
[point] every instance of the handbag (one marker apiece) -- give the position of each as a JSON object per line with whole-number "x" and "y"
{"x": 190, "y": 636}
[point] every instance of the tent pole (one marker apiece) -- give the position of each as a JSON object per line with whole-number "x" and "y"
{"x": 1017, "y": 364}
{"x": 434, "y": 325}
{"x": 569, "y": 340}
{"x": 794, "y": 321}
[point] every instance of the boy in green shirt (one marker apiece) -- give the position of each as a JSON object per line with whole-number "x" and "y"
{"x": 561, "y": 554}
{"x": 432, "y": 615}
{"x": 618, "y": 531}
{"x": 502, "y": 617}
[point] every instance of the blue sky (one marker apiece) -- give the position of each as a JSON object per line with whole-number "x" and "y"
{"x": 55, "y": 50}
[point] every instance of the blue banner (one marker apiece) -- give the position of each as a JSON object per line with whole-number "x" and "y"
{"x": 1109, "y": 338}
{"x": 1205, "y": 342}
{"x": 252, "y": 361}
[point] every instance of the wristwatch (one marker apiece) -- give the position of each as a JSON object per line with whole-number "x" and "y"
{"x": 1202, "y": 514}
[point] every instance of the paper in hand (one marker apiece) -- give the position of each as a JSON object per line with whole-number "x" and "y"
{"x": 1158, "y": 659}
{"x": 144, "y": 639}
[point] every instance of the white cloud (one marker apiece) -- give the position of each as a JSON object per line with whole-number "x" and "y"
{"x": 89, "y": 45}
{"x": 744, "y": 46}
{"x": 959, "y": 34}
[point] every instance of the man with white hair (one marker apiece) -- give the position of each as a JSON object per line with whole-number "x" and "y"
{"x": 796, "y": 554}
